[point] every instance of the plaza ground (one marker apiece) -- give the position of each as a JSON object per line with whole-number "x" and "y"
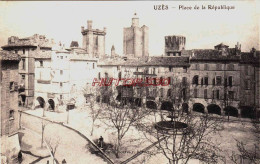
{"x": 134, "y": 141}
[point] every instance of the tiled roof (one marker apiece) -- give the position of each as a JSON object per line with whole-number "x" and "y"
{"x": 168, "y": 61}
{"x": 19, "y": 44}
{"x": 7, "y": 55}
{"x": 249, "y": 57}
{"x": 151, "y": 61}
{"x": 214, "y": 55}
{"x": 32, "y": 41}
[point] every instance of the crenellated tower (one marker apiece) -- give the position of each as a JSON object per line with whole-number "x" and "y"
{"x": 93, "y": 40}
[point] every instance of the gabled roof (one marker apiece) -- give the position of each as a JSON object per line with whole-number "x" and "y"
{"x": 7, "y": 55}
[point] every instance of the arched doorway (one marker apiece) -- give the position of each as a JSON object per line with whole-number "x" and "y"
{"x": 185, "y": 108}
{"x": 247, "y": 112}
{"x": 51, "y": 104}
{"x": 231, "y": 111}
{"x": 198, "y": 107}
{"x": 213, "y": 108}
{"x": 167, "y": 105}
{"x": 151, "y": 105}
{"x": 41, "y": 102}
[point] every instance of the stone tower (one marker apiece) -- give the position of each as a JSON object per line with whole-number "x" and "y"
{"x": 93, "y": 40}
{"x": 136, "y": 39}
{"x": 174, "y": 45}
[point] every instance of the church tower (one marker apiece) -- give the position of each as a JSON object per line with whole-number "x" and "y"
{"x": 136, "y": 39}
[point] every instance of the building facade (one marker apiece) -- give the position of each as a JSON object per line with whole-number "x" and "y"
{"x": 62, "y": 76}
{"x": 28, "y": 48}
{"x": 9, "y": 106}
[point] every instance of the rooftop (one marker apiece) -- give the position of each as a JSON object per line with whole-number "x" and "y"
{"x": 150, "y": 61}
{"x": 7, "y": 55}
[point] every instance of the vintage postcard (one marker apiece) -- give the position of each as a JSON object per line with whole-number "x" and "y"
{"x": 138, "y": 82}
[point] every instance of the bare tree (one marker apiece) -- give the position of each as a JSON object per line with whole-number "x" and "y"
{"x": 53, "y": 145}
{"x": 184, "y": 136}
{"x": 94, "y": 114}
{"x": 189, "y": 138}
{"x": 121, "y": 119}
{"x": 44, "y": 123}
{"x": 248, "y": 153}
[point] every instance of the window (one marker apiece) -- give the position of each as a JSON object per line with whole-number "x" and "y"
{"x": 206, "y": 81}
{"x": 23, "y": 77}
{"x": 218, "y": 80}
{"x": 247, "y": 84}
{"x": 11, "y": 114}
{"x": 184, "y": 70}
{"x": 205, "y": 93}
{"x": 162, "y": 93}
{"x": 60, "y": 84}
{"x": 195, "y": 93}
{"x": 154, "y": 92}
{"x": 169, "y": 93}
{"x": 170, "y": 68}
{"x": 217, "y": 94}
{"x": 119, "y": 75}
{"x": 99, "y": 76}
{"x": 153, "y": 70}
{"x": 61, "y": 97}
{"x": 206, "y": 67}
{"x": 61, "y": 72}
{"x": 195, "y": 80}
{"x": 218, "y": 67}
{"x": 147, "y": 92}
{"x": 93, "y": 65}
{"x": 231, "y": 95}
{"x": 246, "y": 70}
{"x": 41, "y": 63}
{"x": 106, "y": 75}
{"x": 184, "y": 80}
{"x": 137, "y": 69}
{"x": 61, "y": 57}
{"x": 231, "y": 67}
{"x": 230, "y": 81}
{"x": 23, "y": 51}
{"x": 23, "y": 64}
{"x": 201, "y": 81}
{"x": 11, "y": 86}
{"x": 16, "y": 51}
{"x": 197, "y": 66}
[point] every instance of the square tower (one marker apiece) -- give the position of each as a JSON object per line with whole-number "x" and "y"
{"x": 136, "y": 39}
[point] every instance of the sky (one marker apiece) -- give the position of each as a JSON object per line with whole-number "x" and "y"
{"x": 203, "y": 29}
